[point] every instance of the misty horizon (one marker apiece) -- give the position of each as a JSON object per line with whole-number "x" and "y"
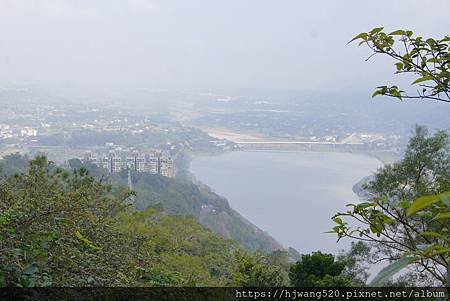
{"x": 201, "y": 45}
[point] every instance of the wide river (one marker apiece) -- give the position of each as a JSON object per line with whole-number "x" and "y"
{"x": 290, "y": 195}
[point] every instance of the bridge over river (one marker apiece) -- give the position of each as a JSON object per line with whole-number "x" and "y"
{"x": 301, "y": 146}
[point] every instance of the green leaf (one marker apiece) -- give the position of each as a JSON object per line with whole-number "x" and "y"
{"x": 362, "y": 35}
{"x": 404, "y": 204}
{"x": 391, "y": 270}
{"x": 381, "y": 91}
{"x": 422, "y": 79}
{"x": 436, "y": 250}
{"x": 431, "y": 42}
{"x": 444, "y": 74}
{"x": 431, "y": 234}
{"x": 86, "y": 241}
{"x": 338, "y": 220}
{"x": 376, "y": 30}
{"x": 422, "y": 203}
{"x": 445, "y": 198}
{"x": 30, "y": 270}
{"x": 376, "y": 93}
{"x": 398, "y": 33}
{"x": 443, "y": 215}
{"x": 433, "y": 60}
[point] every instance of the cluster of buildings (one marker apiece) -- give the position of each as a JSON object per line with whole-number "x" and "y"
{"x": 376, "y": 140}
{"x": 114, "y": 161}
{"x": 6, "y": 131}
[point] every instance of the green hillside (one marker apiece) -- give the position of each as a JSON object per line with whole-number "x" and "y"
{"x": 64, "y": 228}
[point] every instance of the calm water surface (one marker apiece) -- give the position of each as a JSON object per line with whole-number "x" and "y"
{"x": 290, "y": 195}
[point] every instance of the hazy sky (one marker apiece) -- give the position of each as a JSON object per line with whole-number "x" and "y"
{"x": 283, "y": 44}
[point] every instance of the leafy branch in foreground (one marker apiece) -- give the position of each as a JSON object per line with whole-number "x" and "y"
{"x": 427, "y": 59}
{"x": 407, "y": 217}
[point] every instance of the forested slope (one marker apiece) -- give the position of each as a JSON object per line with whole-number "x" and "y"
{"x": 65, "y": 228}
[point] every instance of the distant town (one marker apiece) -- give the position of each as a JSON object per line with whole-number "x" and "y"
{"x": 114, "y": 139}
{"x": 107, "y": 135}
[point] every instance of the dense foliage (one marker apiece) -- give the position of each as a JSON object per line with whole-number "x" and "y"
{"x": 318, "y": 270}
{"x": 256, "y": 270}
{"x": 66, "y": 229}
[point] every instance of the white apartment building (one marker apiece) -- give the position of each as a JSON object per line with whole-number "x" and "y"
{"x": 115, "y": 161}
{"x": 166, "y": 167}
